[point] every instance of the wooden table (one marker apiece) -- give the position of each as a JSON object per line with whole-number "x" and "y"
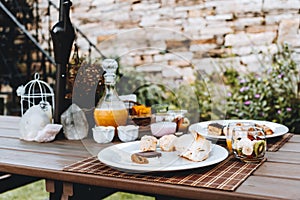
{"x": 277, "y": 178}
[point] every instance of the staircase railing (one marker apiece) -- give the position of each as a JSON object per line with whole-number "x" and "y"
{"x": 26, "y": 32}
{"x": 48, "y": 54}
{"x": 38, "y": 40}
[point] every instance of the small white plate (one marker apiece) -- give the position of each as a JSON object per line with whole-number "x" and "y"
{"x": 201, "y": 127}
{"x": 119, "y": 156}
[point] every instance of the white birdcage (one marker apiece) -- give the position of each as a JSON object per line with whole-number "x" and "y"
{"x": 36, "y": 92}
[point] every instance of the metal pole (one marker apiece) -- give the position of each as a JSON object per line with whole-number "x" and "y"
{"x": 60, "y": 91}
{"x": 63, "y": 35}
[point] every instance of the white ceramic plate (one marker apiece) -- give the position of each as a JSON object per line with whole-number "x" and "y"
{"x": 119, "y": 156}
{"x": 201, "y": 127}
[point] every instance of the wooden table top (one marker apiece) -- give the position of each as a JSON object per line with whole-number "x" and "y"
{"x": 277, "y": 178}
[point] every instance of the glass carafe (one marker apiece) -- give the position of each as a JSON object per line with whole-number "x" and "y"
{"x": 110, "y": 110}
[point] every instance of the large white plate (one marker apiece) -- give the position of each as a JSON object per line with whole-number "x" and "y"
{"x": 119, "y": 156}
{"x": 201, "y": 127}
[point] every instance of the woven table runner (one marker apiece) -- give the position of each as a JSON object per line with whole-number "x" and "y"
{"x": 274, "y": 144}
{"x": 227, "y": 175}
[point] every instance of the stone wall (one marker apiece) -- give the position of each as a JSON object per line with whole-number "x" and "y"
{"x": 174, "y": 37}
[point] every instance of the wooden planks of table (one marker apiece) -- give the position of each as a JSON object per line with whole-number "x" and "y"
{"x": 277, "y": 178}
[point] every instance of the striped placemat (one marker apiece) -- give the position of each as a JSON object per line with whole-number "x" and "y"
{"x": 274, "y": 144}
{"x": 227, "y": 175}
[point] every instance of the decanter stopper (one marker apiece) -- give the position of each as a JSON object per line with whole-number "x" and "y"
{"x": 110, "y": 67}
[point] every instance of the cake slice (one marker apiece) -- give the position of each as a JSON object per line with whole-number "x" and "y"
{"x": 215, "y": 129}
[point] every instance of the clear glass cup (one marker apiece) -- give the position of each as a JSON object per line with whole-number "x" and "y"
{"x": 248, "y": 144}
{"x": 179, "y": 118}
{"x": 229, "y": 129}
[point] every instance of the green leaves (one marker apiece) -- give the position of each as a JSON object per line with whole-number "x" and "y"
{"x": 269, "y": 96}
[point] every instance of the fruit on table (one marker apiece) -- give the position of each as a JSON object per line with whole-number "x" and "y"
{"x": 259, "y": 147}
{"x": 141, "y": 110}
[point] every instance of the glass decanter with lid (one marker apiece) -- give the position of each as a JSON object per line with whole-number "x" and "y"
{"x": 110, "y": 110}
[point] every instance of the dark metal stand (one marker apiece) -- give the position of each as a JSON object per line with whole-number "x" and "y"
{"x": 63, "y": 36}
{"x": 60, "y": 103}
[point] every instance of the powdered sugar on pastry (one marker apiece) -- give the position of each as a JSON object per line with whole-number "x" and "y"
{"x": 148, "y": 143}
{"x": 198, "y": 150}
{"x": 183, "y": 142}
{"x": 166, "y": 142}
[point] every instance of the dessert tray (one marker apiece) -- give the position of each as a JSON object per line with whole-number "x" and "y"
{"x": 119, "y": 156}
{"x": 201, "y": 127}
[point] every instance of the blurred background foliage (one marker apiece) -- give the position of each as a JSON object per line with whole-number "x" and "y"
{"x": 271, "y": 94}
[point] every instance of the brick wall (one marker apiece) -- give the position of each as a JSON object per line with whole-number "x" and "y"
{"x": 168, "y": 37}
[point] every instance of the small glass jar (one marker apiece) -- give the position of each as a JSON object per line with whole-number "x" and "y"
{"x": 180, "y": 119}
{"x": 249, "y": 145}
{"x": 229, "y": 129}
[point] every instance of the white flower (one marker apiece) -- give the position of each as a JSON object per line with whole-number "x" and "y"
{"x": 244, "y": 142}
{"x": 247, "y": 150}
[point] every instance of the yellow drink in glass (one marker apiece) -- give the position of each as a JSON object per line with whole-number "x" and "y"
{"x": 110, "y": 117}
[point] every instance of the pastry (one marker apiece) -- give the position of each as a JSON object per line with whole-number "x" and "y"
{"x": 215, "y": 129}
{"x": 196, "y": 149}
{"x": 183, "y": 142}
{"x": 147, "y": 157}
{"x": 266, "y": 129}
{"x": 148, "y": 143}
{"x": 166, "y": 142}
{"x": 139, "y": 159}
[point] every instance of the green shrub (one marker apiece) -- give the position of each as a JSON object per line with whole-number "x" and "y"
{"x": 271, "y": 95}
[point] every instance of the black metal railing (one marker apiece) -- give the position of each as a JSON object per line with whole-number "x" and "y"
{"x": 26, "y": 32}
{"x": 29, "y": 27}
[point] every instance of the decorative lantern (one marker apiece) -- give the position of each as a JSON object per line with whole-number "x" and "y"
{"x": 36, "y": 92}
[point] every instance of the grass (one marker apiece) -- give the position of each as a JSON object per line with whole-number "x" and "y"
{"x": 128, "y": 196}
{"x": 37, "y": 191}
{"x": 33, "y": 191}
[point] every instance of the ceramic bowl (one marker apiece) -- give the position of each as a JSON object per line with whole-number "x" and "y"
{"x": 128, "y": 133}
{"x": 103, "y": 134}
{"x": 160, "y": 129}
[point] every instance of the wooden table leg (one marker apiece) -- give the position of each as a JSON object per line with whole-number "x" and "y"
{"x": 59, "y": 190}
{"x": 50, "y": 186}
{"x": 67, "y": 191}
{"x": 54, "y": 188}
